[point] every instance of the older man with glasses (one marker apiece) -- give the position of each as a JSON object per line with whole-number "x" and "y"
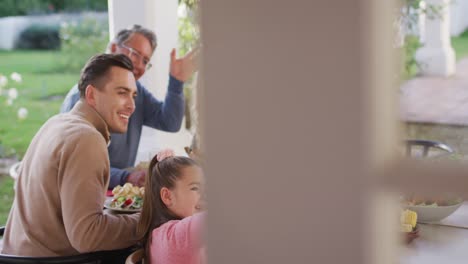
{"x": 138, "y": 44}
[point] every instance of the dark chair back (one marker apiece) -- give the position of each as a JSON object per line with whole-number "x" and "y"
{"x": 427, "y": 146}
{"x": 99, "y": 257}
{"x": 136, "y": 257}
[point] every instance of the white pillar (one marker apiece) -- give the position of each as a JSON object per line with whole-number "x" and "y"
{"x": 437, "y": 56}
{"x": 161, "y": 17}
{"x": 422, "y": 22}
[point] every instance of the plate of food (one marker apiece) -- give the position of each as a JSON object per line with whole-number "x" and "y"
{"x": 432, "y": 210}
{"x": 126, "y": 199}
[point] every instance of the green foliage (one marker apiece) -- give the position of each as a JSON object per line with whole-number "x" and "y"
{"x": 189, "y": 38}
{"x": 79, "y": 5}
{"x": 80, "y": 41}
{"x": 39, "y": 37}
{"x": 21, "y": 8}
{"x": 191, "y": 4}
{"x": 189, "y": 32}
{"x": 410, "y": 67}
{"x": 29, "y": 7}
{"x": 411, "y": 3}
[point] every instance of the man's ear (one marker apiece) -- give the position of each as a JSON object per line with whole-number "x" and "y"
{"x": 166, "y": 196}
{"x": 90, "y": 95}
{"x": 113, "y": 47}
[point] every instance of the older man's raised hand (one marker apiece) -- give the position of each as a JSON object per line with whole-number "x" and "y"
{"x": 183, "y": 68}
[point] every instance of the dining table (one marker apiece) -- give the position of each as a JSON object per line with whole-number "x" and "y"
{"x": 445, "y": 241}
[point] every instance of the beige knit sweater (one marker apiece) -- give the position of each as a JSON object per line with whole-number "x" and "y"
{"x": 60, "y": 191}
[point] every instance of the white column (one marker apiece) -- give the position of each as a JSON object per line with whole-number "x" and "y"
{"x": 422, "y": 22}
{"x": 123, "y": 14}
{"x": 437, "y": 56}
{"x": 161, "y": 17}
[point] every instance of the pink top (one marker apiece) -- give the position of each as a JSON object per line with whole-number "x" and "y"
{"x": 178, "y": 241}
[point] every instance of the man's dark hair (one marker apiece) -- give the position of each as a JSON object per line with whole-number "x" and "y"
{"x": 96, "y": 69}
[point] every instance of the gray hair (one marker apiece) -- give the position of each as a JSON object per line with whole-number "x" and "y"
{"x": 125, "y": 34}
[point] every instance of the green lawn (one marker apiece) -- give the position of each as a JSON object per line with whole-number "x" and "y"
{"x": 6, "y": 197}
{"x": 460, "y": 45}
{"x": 41, "y": 92}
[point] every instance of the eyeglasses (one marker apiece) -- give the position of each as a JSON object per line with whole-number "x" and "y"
{"x": 136, "y": 55}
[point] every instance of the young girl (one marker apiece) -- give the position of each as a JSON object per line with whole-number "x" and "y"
{"x": 171, "y": 219}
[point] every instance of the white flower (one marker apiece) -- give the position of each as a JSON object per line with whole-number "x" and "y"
{"x": 12, "y": 93}
{"x": 16, "y": 77}
{"x": 9, "y": 102}
{"x": 3, "y": 81}
{"x": 22, "y": 113}
{"x": 182, "y": 10}
{"x": 64, "y": 24}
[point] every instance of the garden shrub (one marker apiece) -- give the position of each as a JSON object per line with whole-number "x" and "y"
{"x": 80, "y": 41}
{"x": 39, "y": 37}
{"x": 411, "y": 66}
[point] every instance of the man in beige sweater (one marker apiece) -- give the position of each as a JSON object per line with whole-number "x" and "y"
{"x": 60, "y": 192}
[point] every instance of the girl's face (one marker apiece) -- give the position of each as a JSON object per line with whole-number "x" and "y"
{"x": 185, "y": 198}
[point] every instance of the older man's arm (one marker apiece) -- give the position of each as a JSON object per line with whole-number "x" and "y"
{"x": 164, "y": 115}
{"x": 73, "y": 96}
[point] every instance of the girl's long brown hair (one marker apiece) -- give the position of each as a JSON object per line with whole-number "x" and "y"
{"x": 155, "y": 213}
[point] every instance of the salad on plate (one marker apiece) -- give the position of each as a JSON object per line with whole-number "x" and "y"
{"x": 126, "y": 198}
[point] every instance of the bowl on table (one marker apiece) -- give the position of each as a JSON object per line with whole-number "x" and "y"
{"x": 433, "y": 212}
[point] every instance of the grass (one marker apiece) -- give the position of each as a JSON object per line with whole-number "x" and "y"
{"x": 41, "y": 92}
{"x": 460, "y": 45}
{"x": 6, "y": 197}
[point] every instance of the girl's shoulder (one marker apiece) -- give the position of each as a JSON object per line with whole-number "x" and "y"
{"x": 180, "y": 229}
{"x": 188, "y": 222}
{"x": 178, "y": 241}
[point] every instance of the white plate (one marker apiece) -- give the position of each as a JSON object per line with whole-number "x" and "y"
{"x": 120, "y": 210}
